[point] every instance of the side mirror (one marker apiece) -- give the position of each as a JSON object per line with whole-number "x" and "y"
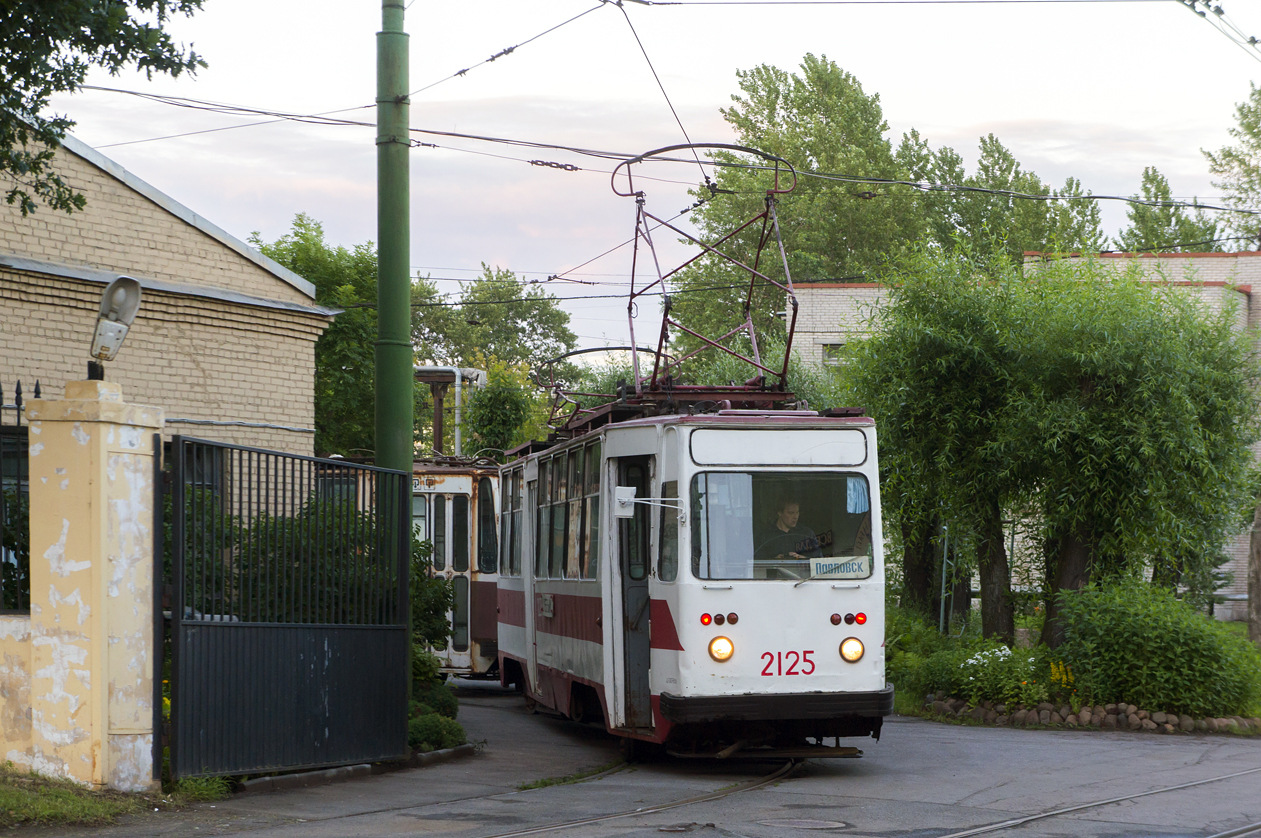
{"x": 119, "y": 304}
{"x": 624, "y": 501}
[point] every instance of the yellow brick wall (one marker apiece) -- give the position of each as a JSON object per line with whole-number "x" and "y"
{"x": 195, "y": 358}
{"x": 123, "y": 231}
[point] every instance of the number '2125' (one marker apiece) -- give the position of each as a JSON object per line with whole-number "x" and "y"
{"x": 787, "y": 663}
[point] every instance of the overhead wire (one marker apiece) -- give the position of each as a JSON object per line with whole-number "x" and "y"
{"x": 1216, "y": 17}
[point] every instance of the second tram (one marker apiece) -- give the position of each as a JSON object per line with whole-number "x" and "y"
{"x": 454, "y": 503}
{"x": 710, "y": 583}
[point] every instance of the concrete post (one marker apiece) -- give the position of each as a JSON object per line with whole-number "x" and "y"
{"x": 92, "y": 619}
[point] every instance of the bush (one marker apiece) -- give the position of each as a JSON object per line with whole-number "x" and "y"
{"x": 437, "y": 695}
{"x": 1135, "y": 643}
{"x": 996, "y": 673}
{"x": 433, "y": 732}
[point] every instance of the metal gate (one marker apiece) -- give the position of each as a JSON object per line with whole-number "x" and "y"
{"x": 288, "y": 606}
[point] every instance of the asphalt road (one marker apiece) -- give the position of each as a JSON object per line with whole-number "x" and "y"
{"x": 922, "y": 779}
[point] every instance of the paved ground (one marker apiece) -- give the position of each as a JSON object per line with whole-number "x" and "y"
{"x": 922, "y": 779}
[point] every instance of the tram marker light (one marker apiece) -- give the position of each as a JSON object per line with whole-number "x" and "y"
{"x": 849, "y": 619}
{"x": 733, "y": 618}
{"x": 719, "y": 619}
{"x": 860, "y": 618}
{"x": 706, "y": 619}
{"x": 836, "y": 619}
{"x": 721, "y": 649}
{"x": 852, "y": 649}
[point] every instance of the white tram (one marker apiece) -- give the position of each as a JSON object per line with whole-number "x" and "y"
{"x": 713, "y": 583}
{"x": 454, "y": 505}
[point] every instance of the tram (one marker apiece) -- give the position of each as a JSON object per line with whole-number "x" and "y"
{"x": 650, "y": 580}
{"x": 454, "y": 507}
{"x": 700, "y": 568}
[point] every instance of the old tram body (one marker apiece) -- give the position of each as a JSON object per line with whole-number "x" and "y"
{"x": 454, "y": 508}
{"x": 637, "y": 591}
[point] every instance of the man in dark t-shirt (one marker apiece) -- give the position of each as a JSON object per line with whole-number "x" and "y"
{"x": 786, "y": 538}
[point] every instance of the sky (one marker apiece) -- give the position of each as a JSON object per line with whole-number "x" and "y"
{"x": 1091, "y": 89}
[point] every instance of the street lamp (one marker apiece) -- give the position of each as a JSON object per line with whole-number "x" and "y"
{"x": 119, "y": 303}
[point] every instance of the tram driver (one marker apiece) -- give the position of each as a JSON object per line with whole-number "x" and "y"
{"x": 787, "y": 537}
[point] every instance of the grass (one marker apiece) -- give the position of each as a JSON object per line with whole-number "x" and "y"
{"x": 28, "y": 800}
{"x": 576, "y": 777}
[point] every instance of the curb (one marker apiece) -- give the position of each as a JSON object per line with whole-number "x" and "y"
{"x": 309, "y": 779}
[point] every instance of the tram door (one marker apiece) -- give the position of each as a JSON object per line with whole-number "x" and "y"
{"x": 633, "y": 557}
{"x": 450, "y": 533}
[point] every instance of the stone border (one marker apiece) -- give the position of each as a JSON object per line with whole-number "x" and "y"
{"x": 308, "y": 779}
{"x": 1096, "y": 717}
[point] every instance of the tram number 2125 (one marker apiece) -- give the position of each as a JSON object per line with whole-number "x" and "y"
{"x": 788, "y": 663}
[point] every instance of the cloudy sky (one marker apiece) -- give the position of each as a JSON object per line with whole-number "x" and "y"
{"x": 1093, "y": 89}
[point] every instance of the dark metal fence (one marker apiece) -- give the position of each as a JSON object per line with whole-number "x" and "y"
{"x": 290, "y": 644}
{"x": 15, "y": 530}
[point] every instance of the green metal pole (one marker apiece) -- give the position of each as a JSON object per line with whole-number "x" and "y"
{"x": 393, "y": 348}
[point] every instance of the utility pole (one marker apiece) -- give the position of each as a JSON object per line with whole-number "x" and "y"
{"x": 393, "y": 348}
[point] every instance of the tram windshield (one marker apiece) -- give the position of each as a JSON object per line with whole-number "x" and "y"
{"x": 780, "y": 525}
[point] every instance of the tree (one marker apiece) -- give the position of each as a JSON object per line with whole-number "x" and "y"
{"x": 820, "y": 120}
{"x": 345, "y": 366}
{"x": 1238, "y": 169}
{"x": 989, "y": 210}
{"x": 509, "y": 411}
{"x": 47, "y": 47}
{"x": 1160, "y": 226}
{"x": 936, "y": 375}
{"x": 498, "y": 316}
{"x": 1116, "y": 413}
{"x": 1144, "y": 409}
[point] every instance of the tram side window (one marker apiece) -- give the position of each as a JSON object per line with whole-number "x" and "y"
{"x": 543, "y": 522}
{"x": 505, "y": 515}
{"x": 668, "y": 561}
{"x": 487, "y": 538}
{"x": 459, "y": 533}
{"x": 573, "y": 543}
{"x": 591, "y": 513}
{"x": 439, "y": 532}
{"x": 556, "y": 559}
{"x": 514, "y": 548}
{"x": 635, "y": 528}
{"x": 419, "y": 523}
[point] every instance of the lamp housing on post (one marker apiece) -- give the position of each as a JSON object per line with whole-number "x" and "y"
{"x": 119, "y": 303}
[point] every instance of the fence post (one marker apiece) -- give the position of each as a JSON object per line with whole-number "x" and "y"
{"x": 93, "y": 655}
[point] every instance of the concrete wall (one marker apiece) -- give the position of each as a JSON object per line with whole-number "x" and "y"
{"x": 78, "y": 675}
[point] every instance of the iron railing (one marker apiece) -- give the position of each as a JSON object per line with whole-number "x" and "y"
{"x": 289, "y": 615}
{"x": 15, "y": 530}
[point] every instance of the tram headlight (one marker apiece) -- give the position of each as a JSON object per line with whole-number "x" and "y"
{"x": 852, "y": 649}
{"x": 721, "y": 648}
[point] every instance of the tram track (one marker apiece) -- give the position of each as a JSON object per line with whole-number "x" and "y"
{"x": 1238, "y": 832}
{"x": 784, "y": 770}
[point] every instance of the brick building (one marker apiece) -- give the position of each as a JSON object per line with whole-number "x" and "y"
{"x": 225, "y": 338}
{"x": 832, "y": 314}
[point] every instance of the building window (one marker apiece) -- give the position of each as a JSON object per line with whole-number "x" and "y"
{"x": 833, "y": 354}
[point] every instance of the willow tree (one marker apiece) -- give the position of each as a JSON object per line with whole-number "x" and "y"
{"x": 1118, "y": 414}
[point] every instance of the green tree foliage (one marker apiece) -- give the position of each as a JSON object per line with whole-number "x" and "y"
{"x": 1237, "y": 168}
{"x": 1120, "y": 412}
{"x": 988, "y": 210}
{"x": 47, "y": 47}
{"x": 345, "y": 366}
{"x": 1144, "y": 407}
{"x": 936, "y": 375}
{"x": 498, "y": 316}
{"x": 1157, "y": 226}
{"x": 818, "y": 119}
{"x": 509, "y": 411}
